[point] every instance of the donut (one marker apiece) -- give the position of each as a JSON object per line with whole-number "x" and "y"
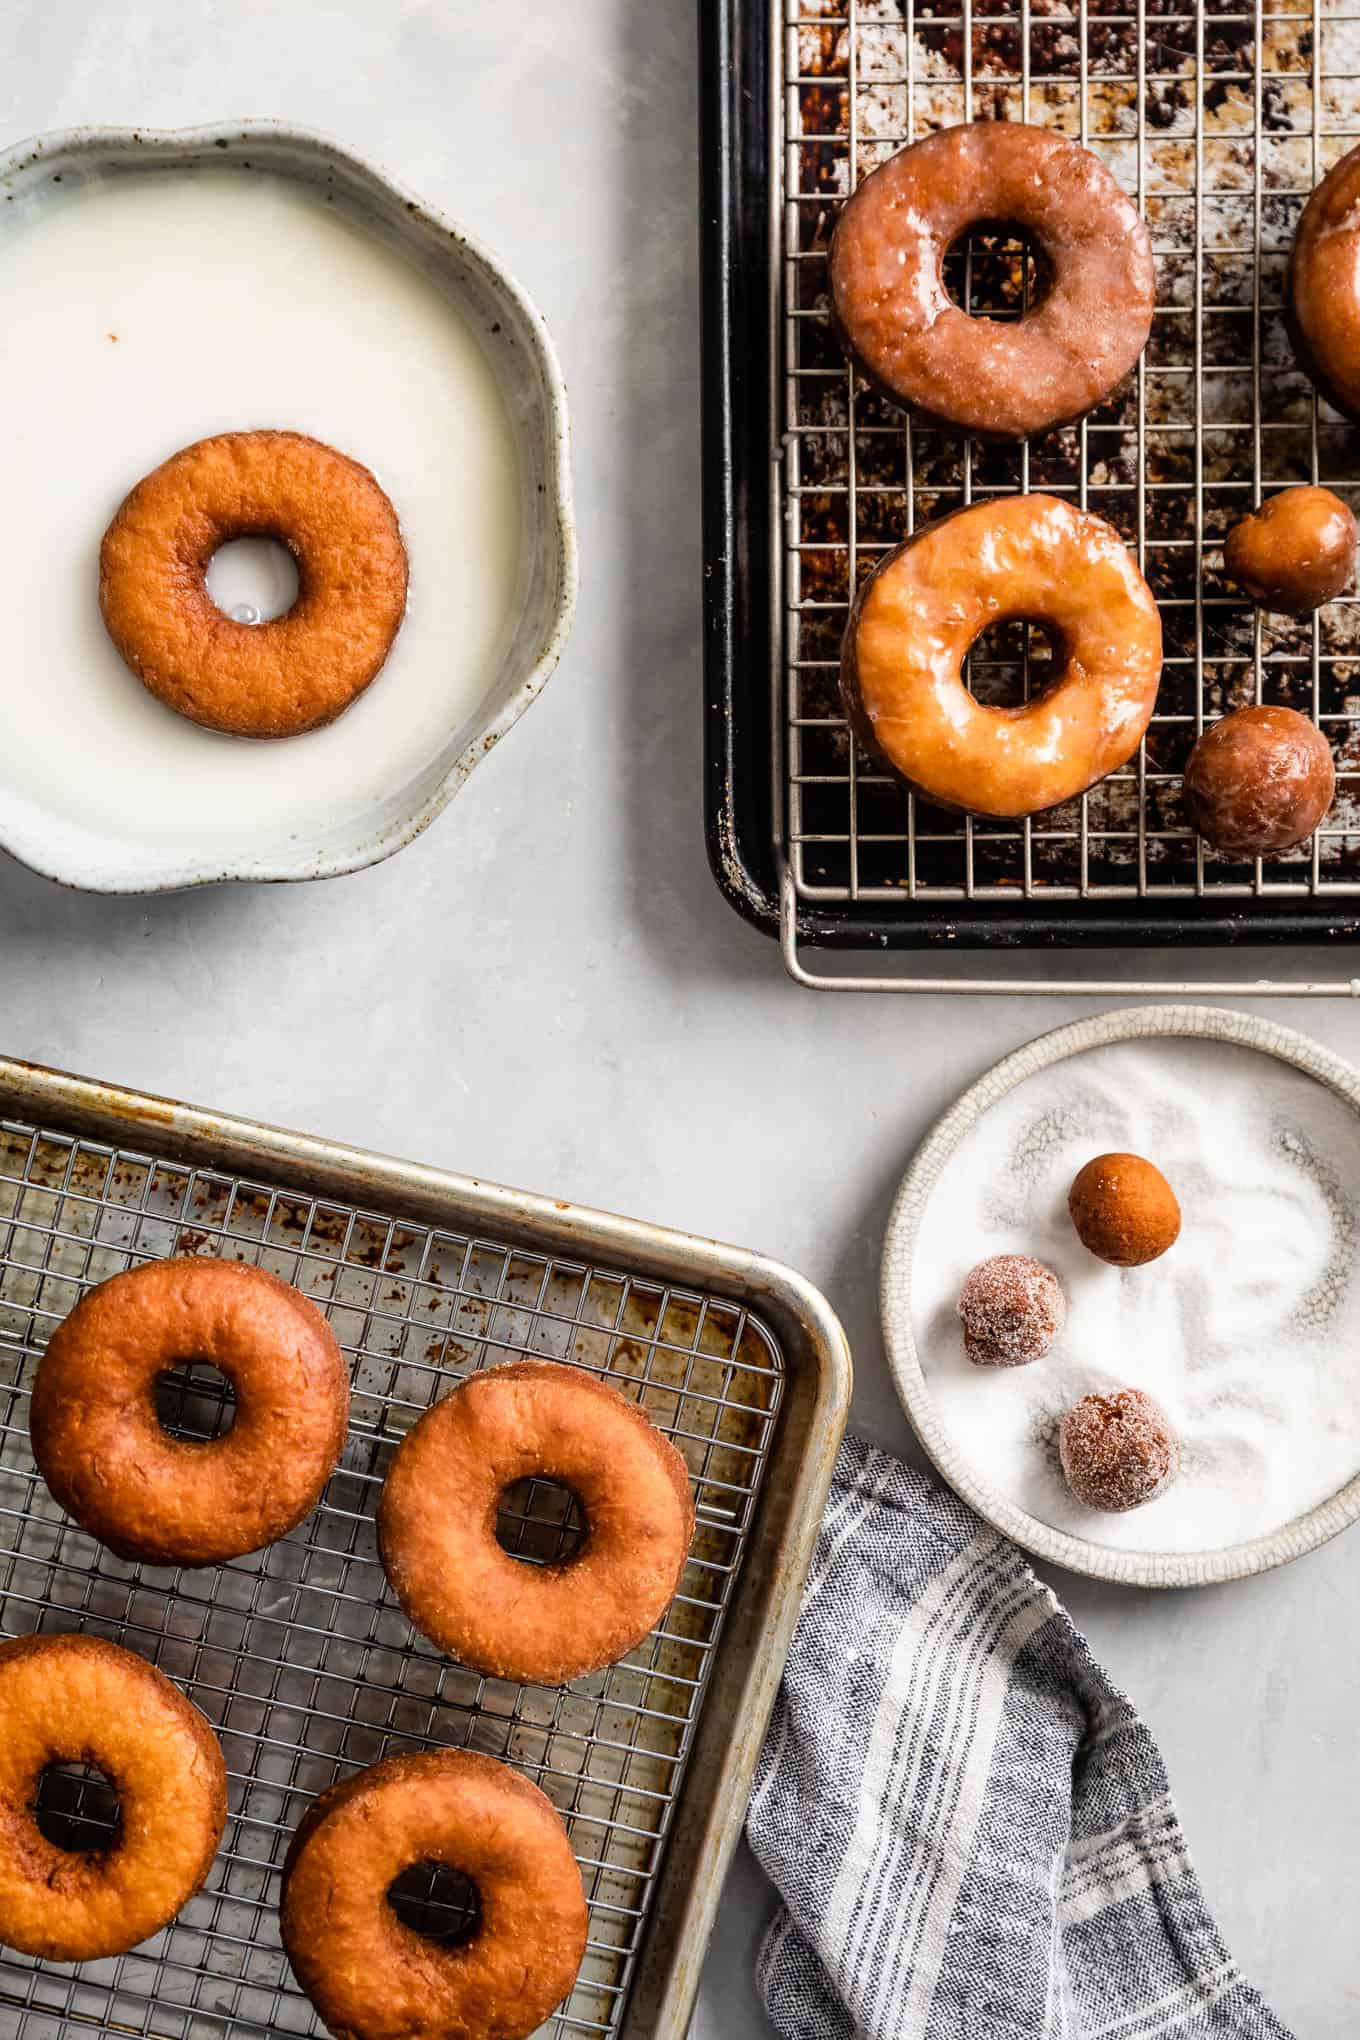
{"x": 1322, "y": 286}
{"x": 1259, "y": 780}
{"x": 73, "y": 1700}
{"x": 540, "y": 1624}
{"x": 170, "y": 1501}
{"x": 1033, "y": 557}
{"x": 372, "y": 1977}
{"x": 1004, "y": 379}
{"x": 1294, "y": 553}
{"x": 270, "y": 679}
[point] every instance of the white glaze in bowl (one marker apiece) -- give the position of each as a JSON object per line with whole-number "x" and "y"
{"x": 488, "y": 505}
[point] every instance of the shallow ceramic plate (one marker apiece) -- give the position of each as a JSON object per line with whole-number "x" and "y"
{"x": 40, "y": 175}
{"x": 1179, "y": 1568}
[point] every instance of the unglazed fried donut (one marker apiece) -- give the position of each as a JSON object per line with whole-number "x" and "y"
{"x": 998, "y": 378}
{"x": 369, "y": 1975}
{"x": 172, "y": 1501}
{"x": 300, "y": 669}
{"x": 437, "y": 1523}
{"x": 1322, "y": 287}
{"x": 78, "y": 1699}
{"x": 1031, "y": 557}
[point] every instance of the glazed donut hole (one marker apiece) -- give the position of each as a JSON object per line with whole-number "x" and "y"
{"x": 438, "y": 1902}
{"x": 194, "y": 1402}
{"x": 77, "y": 1808}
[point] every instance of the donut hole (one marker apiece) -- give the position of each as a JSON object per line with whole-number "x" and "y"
{"x": 1013, "y": 661}
{"x": 77, "y": 1807}
{"x": 540, "y": 1521}
{"x": 252, "y": 580}
{"x": 195, "y": 1402}
{"x": 996, "y": 269}
{"x": 437, "y": 1902}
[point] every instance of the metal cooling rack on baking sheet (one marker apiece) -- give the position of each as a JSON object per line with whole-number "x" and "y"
{"x": 299, "y": 1656}
{"x": 1219, "y": 122}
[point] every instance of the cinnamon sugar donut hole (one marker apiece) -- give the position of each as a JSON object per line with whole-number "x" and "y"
{"x": 1124, "y": 1210}
{"x": 1118, "y": 1451}
{"x": 298, "y": 670}
{"x": 369, "y": 1975}
{"x": 538, "y": 1624}
{"x": 1012, "y": 1308}
{"x": 78, "y": 1699}
{"x": 998, "y": 378}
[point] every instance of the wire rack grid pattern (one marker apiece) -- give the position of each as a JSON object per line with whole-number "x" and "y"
{"x": 299, "y": 1656}
{"x": 1218, "y": 121}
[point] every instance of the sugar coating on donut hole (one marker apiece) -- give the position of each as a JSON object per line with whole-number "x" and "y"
{"x": 1012, "y": 1308}
{"x": 1032, "y": 557}
{"x": 540, "y": 1624}
{"x": 371, "y": 1976}
{"x": 1124, "y": 1210}
{"x": 296, "y": 671}
{"x": 73, "y": 1699}
{"x": 1118, "y": 1451}
{"x": 1001, "y": 379}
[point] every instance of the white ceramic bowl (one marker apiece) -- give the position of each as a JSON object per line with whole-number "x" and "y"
{"x": 42, "y": 172}
{"x": 1134, "y": 1568}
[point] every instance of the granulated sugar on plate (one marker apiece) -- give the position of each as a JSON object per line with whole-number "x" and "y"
{"x": 1247, "y": 1331}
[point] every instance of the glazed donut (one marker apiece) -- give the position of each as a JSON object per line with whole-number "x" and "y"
{"x": 437, "y": 1523}
{"x": 169, "y": 1501}
{"x": 1322, "y": 286}
{"x": 1032, "y": 557}
{"x": 77, "y": 1699}
{"x": 998, "y": 378}
{"x": 270, "y": 679}
{"x": 369, "y": 1975}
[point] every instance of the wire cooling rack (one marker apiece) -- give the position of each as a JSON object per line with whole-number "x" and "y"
{"x": 1219, "y": 121}
{"x": 299, "y": 1656}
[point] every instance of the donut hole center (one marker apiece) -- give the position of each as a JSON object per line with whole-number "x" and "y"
{"x": 996, "y": 269}
{"x": 77, "y": 1807}
{"x": 252, "y": 580}
{"x": 1013, "y": 661}
{"x": 437, "y": 1902}
{"x": 194, "y": 1402}
{"x": 541, "y": 1521}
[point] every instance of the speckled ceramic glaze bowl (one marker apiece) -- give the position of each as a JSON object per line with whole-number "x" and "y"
{"x": 1133, "y": 1568}
{"x": 41, "y": 172}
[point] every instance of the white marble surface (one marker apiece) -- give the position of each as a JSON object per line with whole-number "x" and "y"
{"x": 548, "y": 988}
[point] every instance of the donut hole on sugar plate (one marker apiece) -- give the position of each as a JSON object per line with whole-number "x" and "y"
{"x": 253, "y": 580}
{"x": 540, "y": 1521}
{"x": 996, "y": 269}
{"x": 77, "y": 1808}
{"x": 195, "y": 1402}
{"x": 437, "y": 1902}
{"x": 1013, "y": 661}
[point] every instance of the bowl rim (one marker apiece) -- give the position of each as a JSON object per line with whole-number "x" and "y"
{"x": 1103, "y": 1562}
{"x": 86, "y": 142}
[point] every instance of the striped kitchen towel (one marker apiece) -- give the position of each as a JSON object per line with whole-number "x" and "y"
{"x": 969, "y": 1829}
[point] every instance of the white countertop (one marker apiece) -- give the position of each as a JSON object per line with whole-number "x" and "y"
{"x": 547, "y": 988}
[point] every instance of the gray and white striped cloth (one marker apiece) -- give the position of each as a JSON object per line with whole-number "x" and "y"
{"x": 969, "y": 1829}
